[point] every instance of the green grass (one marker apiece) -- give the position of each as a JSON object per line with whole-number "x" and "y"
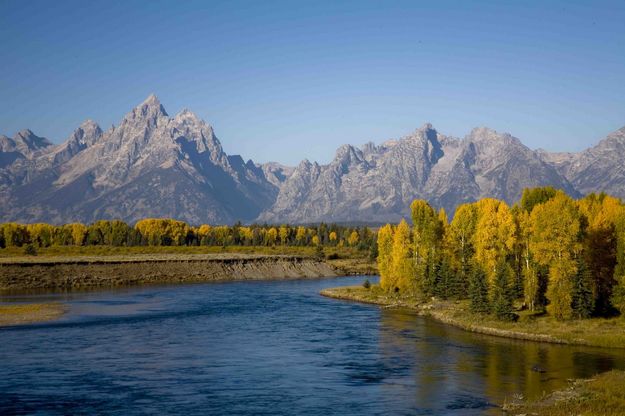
{"x": 602, "y": 395}
{"x": 599, "y": 332}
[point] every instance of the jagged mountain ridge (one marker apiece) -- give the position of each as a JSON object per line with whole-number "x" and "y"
{"x": 151, "y": 165}
{"x": 379, "y": 182}
{"x": 154, "y": 165}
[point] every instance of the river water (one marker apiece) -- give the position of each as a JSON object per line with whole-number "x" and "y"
{"x": 266, "y": 348}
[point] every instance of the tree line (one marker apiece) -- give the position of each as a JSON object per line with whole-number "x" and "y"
{"x": 169, "y": 232}
{"x": 548, "y": 253}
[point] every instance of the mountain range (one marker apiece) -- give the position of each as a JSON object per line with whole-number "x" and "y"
{"x": 154, "y": 165}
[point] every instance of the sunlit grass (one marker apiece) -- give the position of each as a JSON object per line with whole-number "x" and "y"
{"x": 602, "y": 395}
{"x": 348, "y": 260}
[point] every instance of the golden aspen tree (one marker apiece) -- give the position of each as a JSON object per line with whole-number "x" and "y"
{"x": 426, "y": 236}
{"x": 79, "y": 233}
{"x": 40, "y": 234}
{"x": 460, "y": 240}
{"x": 333, "y": 237}
{"x": 402, "y": 264}
{"x": 531, "y": 277}
{"x": 494, "y": 236}
{"x": 300, "y": 235}
{"x": 283, "y": 232}
{"x": 272, "y": 236}
{"x": 385, "y": 251}
{"x": 353, "y": 238}
{"x": 555, "y": 242}
{"x": 204, "y": 231}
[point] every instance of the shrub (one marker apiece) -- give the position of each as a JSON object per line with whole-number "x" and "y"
{"x": 319, "y": 255}
{"x": 30, "y": 250}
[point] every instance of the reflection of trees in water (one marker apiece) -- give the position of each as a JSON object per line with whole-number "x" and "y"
{"x": 430, "y": 364}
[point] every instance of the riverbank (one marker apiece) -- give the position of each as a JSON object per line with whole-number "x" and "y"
{"x": 21, "y": 314}
{"x": 590, "y": 332}
{"x": 61, "y": 272}
{"x": 602, "y": 395}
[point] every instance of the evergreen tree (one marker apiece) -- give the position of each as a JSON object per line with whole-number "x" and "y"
{"x": 503, "y": 293}
{"x": 536, "y": 196}
{"x": 478, "y": 291}
{"x": 447, "y": 282}
{"x": 430, "y": 281}
{"x": 583, "y": 301}
{"x": 373, "y": 251}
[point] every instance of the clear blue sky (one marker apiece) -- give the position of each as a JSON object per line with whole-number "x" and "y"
{"x": 291, "y": 80}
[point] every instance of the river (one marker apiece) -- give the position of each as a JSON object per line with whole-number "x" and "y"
{"x": 266, "y": 348}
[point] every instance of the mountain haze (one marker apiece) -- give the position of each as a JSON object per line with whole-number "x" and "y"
{"x": 155, "y": 165}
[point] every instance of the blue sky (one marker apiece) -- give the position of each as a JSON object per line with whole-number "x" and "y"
{"x": 290, "y": 80}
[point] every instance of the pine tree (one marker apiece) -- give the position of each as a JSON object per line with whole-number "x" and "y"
{"x": 503, "y": 293}
{"x": 583, "y": 301}
{"x": 430, "y": 285}
{"x": 447, "y": 282}
{"x": 478, "y": 291}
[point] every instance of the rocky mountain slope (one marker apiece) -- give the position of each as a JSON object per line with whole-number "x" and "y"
{"x": 599, "y": 168}
{"x": 151, "y": 165}
{"x": 379, "y": 182}
{"x": 154, "y": 165}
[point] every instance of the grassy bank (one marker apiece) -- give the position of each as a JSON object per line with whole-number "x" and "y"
{"x": 29, "y": 313}
{"x": 597, "y": 332}
{"x": 602, "y": 395}
{"x": 346, "y": 260}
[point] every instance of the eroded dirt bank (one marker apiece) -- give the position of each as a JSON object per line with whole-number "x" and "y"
{"x": 67, "y": 273}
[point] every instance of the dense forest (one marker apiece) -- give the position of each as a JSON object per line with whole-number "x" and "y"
{"x": 168, "y": 232}
{"x": 549, "y": 253}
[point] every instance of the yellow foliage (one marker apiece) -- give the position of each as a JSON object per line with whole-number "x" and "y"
{"x": 402, "y": 262}
{"x": 385, "y": 250}
{"x": 494, "y": 235}
{"x": 79, "y": 232}
{"x": 353, "y": 238}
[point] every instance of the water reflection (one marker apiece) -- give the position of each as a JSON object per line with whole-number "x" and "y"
{"x": 456, "y": 369}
